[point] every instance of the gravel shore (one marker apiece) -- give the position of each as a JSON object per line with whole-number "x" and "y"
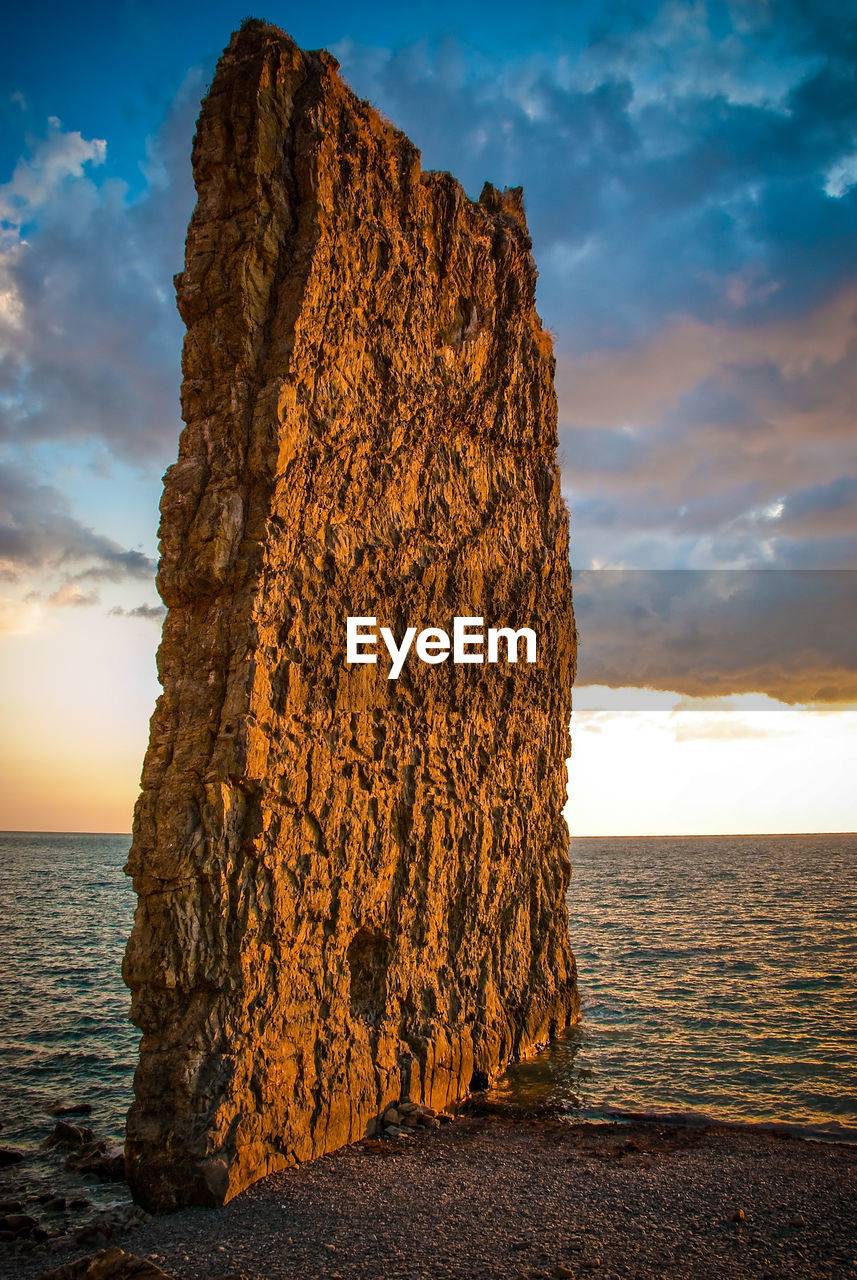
{"x": 502, "y": 1195}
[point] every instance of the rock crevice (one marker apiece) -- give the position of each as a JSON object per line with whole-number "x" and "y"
{"x": 351, "y": 889}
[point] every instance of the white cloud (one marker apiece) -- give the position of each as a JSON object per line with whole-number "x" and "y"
{"x": 36, "y": 180}
{"x": 90, "y": 339}
{"x": 71, "y": 594}
{"x": 841, "y": 176}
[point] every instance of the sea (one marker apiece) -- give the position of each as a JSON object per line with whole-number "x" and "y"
{"x": 718, "y": 981}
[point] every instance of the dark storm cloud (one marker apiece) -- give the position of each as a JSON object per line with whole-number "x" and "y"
{"x": 821, "y": 501}
{"x": 790, "y": 635}
{"x": 690, "y": 174}
{"x": 37, "y": 532}
{"x": 656, "y": 163}
{"x": 687, "y": 179}
{"x": 714, "y": 445}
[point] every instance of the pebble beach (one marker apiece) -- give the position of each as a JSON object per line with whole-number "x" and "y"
{"x": 502, "y": 1192}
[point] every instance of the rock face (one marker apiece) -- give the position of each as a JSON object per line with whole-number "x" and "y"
{"x": 351, "y": 888}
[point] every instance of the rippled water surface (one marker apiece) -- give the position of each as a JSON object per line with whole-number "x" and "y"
{"x": 66, "y": 908}
{"x": 717, "y": 975}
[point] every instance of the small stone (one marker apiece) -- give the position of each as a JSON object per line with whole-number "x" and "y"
{"x": 10, "y": 1206}
{"x": 392, "y": 1131}
{"x": 563, "y": 1273}
{"x": 20, "y": 1223}
{"x": 406, "y": 1108}
{"x": 410, "y": 1118}
{"x": 97, "y": 1160}
{"x": 738, "y": 1215}
{"x": 70, "y": 1109}
{"x": 797, "y": 1220}
{"x": 69, "y": 1135}
{"x": 10, "y": 1155}
{"x": 443, "y": 1118}
{"x": 391, "y": 1116}
{"x": 113, "y": 1263}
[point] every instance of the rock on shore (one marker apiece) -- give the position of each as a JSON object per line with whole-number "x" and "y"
{"x": 108, "y": 1264}
{"x": 351, "y": 889}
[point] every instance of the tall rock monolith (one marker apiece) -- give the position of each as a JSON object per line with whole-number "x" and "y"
{"x": 351, "y": 888}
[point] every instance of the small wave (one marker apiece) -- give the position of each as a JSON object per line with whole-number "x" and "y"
{"x": 828, "y": 1131}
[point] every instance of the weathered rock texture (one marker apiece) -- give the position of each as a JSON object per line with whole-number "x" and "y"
{"x": 350, "y": 888}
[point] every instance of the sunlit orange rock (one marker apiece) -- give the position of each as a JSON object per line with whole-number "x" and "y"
{"x": 351, "y": 889}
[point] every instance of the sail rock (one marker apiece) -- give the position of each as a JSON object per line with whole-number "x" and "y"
{"x": 351, "y": 889}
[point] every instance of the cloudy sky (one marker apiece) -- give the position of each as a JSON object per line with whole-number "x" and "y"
{"x": 690, "y": 176}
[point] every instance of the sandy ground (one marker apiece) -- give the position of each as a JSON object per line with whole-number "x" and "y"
{"x": 520, "y": 1196}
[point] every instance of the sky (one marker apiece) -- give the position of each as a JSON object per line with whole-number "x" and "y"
{"x": 690, "y": 179}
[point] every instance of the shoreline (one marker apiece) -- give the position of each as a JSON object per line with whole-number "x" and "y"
{"x": 518, "y": 1191}
{"x": 803, "y": 1131}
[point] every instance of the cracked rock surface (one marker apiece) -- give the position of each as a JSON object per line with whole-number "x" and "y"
{"x": 351, "y": 889}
